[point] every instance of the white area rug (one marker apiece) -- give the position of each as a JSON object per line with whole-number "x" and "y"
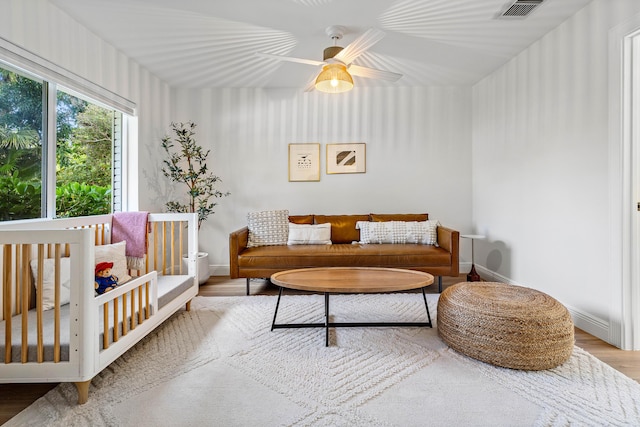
{"x": 220, "y": 365}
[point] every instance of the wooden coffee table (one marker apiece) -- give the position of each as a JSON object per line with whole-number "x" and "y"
{"x": 350, "y": 280}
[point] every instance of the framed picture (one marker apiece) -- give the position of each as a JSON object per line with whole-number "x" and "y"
{"x": 304, "y": 162}
{"x": 346, "y": 158}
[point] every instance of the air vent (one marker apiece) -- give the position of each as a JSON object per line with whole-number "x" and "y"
{"x": 520, "y": 8}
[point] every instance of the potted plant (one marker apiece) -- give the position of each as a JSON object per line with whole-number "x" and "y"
{"x": 187, "y": 165}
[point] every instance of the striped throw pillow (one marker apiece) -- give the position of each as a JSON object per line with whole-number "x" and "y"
{"x": 419, "y": 232}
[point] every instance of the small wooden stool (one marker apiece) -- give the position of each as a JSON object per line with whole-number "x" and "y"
{"x": 505, "y": 325}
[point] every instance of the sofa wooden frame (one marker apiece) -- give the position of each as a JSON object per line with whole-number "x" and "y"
{"x": 127, "y": 314}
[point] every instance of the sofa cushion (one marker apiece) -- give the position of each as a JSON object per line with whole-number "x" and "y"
{"x": 301, "y": 219}
{"x": 420, "y": 232}
{"x": 343, "y": 227}
{"x": 344, "y": 255}
{"x": 268, "y": 228}
{"x": 399, "y": 217}
{"x": 309, "y": 234}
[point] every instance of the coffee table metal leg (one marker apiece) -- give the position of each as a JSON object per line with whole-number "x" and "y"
{"x": 426, "y": 305}
{"x": 328, "y": 324}
{"x": 326, "y": 318}
{"x": 275, "y": 314}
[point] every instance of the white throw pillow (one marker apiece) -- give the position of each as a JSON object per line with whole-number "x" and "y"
{"x": 309, "y": 234}
{"x": 424, "y": 232}
{"x": 115, "y": 253}
{"x": 381, "y": 232}
{"x": 420, "y": 232}
{"x": 268, "y": 228}
{"x": 48, "y": 281}
{"x": 365, "y": 234}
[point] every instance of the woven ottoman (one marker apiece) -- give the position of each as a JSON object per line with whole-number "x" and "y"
{"x": 505, "y": 325}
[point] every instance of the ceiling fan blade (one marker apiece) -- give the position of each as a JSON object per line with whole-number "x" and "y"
{"x": 372, "y": 73}
{"x": 359, "y": 45}
{"x": 290, "y": 59}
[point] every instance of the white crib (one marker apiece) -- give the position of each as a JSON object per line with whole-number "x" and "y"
{"x": 74, "y": 341}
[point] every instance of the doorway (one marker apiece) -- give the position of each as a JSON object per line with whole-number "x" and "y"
{"x": 624, "y": 184}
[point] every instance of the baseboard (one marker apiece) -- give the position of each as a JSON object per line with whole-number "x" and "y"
{"x": 590, "y": 324}
{"x": 486, "y": 274}
{"x": 464, "y": 267}
{"x": 219, "y": 270}
{"x": 492, "y": 276}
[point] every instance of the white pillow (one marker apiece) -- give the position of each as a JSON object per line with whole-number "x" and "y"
{"x": 115, "y": 253}
{"x": 48, "y": 284}
{"x": 421, "y": 232}
{"x": 382, "y": 231}
{"x": 268, "y": 228}
{"x": 309, "y": 234}
{"x": 424, "y": 232}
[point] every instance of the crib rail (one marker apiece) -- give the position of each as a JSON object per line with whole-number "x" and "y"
{"x": 172, "y": 236}
{"x": 17, "y": 298}
{"x": 126, "y": 307}
{"x": 25, "y": 335}
{"x": 168, "y": 242}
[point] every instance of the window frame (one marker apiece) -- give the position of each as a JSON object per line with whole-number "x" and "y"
{"x": 55, "y": 78}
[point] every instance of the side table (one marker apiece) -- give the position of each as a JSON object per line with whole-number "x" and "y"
{"x": 473, "y": 276}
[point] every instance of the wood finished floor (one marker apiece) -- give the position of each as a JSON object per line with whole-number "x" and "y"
{"x": 15, "y": 397}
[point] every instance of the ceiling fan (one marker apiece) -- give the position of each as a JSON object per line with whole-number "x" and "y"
{"x": 337, "y": 66}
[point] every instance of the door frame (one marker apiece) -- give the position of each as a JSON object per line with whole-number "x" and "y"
{"x": 624, "y": 174}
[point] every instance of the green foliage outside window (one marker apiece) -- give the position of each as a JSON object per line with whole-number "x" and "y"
{"x": 83, "y": 152}
{"x": 19, "y": 199}
{"x": 76, "y": 199}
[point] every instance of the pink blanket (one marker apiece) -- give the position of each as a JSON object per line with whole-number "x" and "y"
{"x": 132, "y": 228}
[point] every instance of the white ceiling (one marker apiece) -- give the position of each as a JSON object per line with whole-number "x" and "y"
{"x": 212, "y": 43}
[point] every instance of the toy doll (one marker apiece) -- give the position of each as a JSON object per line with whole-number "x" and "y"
{"x": 104, "y": 280}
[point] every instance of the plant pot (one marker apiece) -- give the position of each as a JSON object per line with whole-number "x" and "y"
{"x": 203, "y": 266}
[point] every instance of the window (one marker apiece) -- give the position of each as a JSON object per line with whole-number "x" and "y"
{"x": 78, "y": 173}
{"x": 22, "y": 134}
{"x": 84, "y": 156}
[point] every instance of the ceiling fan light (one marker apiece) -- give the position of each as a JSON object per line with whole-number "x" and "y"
{"x": 334, "y": 78}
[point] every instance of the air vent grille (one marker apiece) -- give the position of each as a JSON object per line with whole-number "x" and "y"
{"x": 520, "y": 8}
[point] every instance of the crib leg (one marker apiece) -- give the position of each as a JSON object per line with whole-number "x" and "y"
{"x": 188, "y": 308}
{"x": 83, "y": 391}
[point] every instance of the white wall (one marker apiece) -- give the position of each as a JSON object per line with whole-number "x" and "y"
{"x": 418, "y": 153}
{"x": 418, "y": 139}
{"x": 540, "y": 166}
{"x": 46, "y": 31}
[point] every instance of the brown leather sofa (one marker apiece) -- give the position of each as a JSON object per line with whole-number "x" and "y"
{"x": 263, "y": 261}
